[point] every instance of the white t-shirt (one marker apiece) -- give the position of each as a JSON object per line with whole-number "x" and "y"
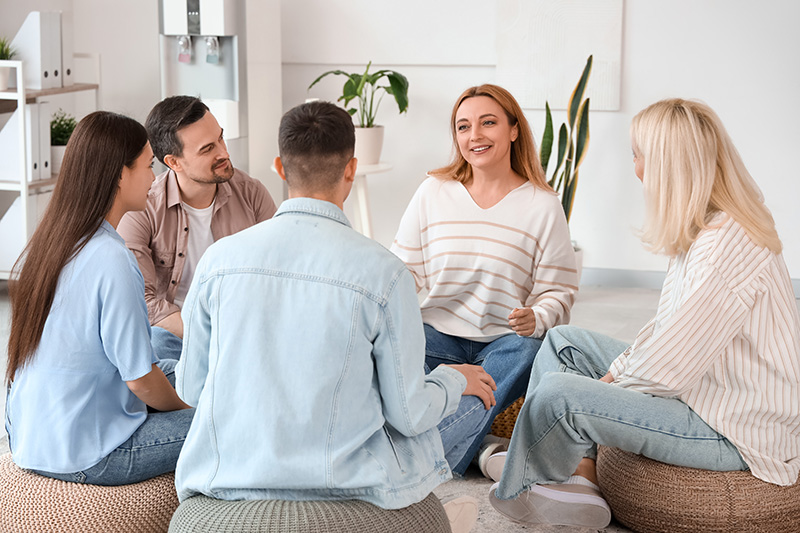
{"x": 200, "y": 238}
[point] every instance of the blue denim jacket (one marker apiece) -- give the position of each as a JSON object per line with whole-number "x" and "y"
{"x": 303, "y": 351}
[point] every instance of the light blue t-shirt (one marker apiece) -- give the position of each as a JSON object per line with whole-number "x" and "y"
{"x": 69, "y": 406}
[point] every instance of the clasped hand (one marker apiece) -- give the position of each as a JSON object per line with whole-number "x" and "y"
{"x": 479, "y": 383}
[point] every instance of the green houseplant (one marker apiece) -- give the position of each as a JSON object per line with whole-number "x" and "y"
{"x": 573, "y": 139}
{"x": 6, "y": 52}
{"x": 61, "y": 127}
{"x": 366, "y": 88}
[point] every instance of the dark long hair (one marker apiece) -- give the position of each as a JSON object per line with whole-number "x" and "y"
{"x": 96, "y": 152}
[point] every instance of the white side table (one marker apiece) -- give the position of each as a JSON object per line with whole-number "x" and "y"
{"x": 364, "y": 224}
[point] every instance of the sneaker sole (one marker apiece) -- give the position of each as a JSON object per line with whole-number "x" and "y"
{"x": 540, "y": 505}
{"x": 494, "y": 465}
{"x": 485, "y": 456}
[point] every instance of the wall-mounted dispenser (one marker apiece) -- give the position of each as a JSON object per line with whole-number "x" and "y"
{"x": 203, "y": 53}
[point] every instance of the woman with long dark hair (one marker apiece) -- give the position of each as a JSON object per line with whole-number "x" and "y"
{"x": 81, "y": 370}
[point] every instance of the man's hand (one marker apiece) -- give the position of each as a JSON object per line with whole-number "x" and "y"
{"x": 479, "y": 383}
{"x": 522, "y": 321}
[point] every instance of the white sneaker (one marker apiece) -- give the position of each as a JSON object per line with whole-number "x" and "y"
{"x": 494, "y": 465}
{"x": 562, "y": 505}
{"x": 462, "y": 512}
{"x": 490, "y": 446}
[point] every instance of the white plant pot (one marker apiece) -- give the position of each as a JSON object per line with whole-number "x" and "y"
{"x": 5, "y": 74}
{"x": 56, "y": 156}
{"x": 369, "y": 143}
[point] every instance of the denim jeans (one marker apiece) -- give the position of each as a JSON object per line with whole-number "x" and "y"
{"x": 507, "y": 359}
{"x": 567, "y": 412}
{"x": 166, "y": 344}
{"x": 152, "y": 450}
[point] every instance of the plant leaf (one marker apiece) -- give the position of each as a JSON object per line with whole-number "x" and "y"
{"x": 547, "y": 138}
{"x": 566, "y": 201}
{"x": 582, "y": 141}
{"x": 577, "y": 94}
{"x": 399, "y": 89}
{"x": 563, "y": 137}
{"x": 335, "y": 72}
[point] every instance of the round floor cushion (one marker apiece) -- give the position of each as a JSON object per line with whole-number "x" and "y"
{"x": 30, "y": 503}
{"x": 201, "y": 514}
{"x": 652, "y": 497}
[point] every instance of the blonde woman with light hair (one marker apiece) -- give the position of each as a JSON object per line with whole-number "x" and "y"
{"x": 712, "y": 382}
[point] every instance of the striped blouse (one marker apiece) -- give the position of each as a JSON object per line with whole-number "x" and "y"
{"x": 726, "y": 341}
{"x": 479, "y": 264}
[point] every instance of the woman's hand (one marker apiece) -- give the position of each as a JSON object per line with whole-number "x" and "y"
{"x": 479, "y": 383}
{"x": 608, "y": 378}
{"x": 522, "y": 321}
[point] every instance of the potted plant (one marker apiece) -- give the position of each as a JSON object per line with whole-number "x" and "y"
{"x": 364, "y": 88}
{"x": 6, "y": 52}
{"x": 573, "y": 139}
{"x": 61, "y": 127}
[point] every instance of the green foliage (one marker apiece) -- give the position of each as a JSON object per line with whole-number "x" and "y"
{"x": 362, "y": 88}
{"x": 6, "y": 51}
{"x": 61, "y": 127}
{"x": 572, "y": 143}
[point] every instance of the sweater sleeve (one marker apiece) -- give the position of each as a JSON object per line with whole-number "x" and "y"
{"x": 555, "y": 275}
{"x": 407, "y": 243}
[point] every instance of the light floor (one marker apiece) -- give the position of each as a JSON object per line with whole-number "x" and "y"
{"x": 613, "y": 311}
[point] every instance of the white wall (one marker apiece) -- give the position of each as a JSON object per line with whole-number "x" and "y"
{"x": 738, "y": 56}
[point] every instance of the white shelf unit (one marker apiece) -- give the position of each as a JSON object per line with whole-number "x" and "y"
{"x": 10, "y": 100}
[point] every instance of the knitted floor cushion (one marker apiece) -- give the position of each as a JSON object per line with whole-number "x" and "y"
{"x": 201, "y": 514}
{"x": 652, "y": 497}
{"x": 503, "y": 425}
{"x": 30, "y": 503}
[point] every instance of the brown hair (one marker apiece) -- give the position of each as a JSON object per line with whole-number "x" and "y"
{"x": 524, "y": 156}
{"x": 99, "y": 147}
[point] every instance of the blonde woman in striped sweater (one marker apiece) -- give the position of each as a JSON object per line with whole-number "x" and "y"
{"x": 486, "y": 237}
{"x": 712, "y": 382}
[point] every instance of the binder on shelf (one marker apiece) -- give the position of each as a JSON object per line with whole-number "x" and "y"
{"x": 45, "y": 112}
{"x": 38, "y": 44}
{"x": 12, "y": 239}
{"x": 67, "y": 50}
{"x": 9, "y": 144}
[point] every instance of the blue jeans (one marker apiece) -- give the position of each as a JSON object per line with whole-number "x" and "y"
{"x": 507, "y": 359}
{"x": 567, "y": 412}
{"x": 152, "y": 450}
{"x": 166, "y": 344}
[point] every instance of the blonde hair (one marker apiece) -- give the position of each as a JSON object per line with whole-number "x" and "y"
{"x": 524, "y": 156}
{"x": 692, "y": 171}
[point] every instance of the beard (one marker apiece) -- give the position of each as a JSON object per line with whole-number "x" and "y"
{"x": 220, "y": 173}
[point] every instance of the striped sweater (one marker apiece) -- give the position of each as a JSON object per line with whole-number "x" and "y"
{"x": 477, "y": 265}
{"x": 726, "y": 341}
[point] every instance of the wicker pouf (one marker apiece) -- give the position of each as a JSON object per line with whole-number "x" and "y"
{"x": 30, "y": 503}
{"x": 201, "y": 514}
{"x": 652, "y": 497}
{"x": 503, "y": 425}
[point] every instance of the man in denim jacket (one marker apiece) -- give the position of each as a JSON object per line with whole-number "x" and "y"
{"x": 304, "y": 349}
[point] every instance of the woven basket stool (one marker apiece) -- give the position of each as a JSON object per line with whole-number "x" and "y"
{"x": 30, "y": 503}
{"x": 652, "y": 497}
{"x": 503, "y": 425}
{"x": 201, "y": 514}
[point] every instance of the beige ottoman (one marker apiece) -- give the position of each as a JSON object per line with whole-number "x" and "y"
{"x": 652, "y": 497}
{"x": 201, "y": 514}
{"x": 30, "y": 503}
